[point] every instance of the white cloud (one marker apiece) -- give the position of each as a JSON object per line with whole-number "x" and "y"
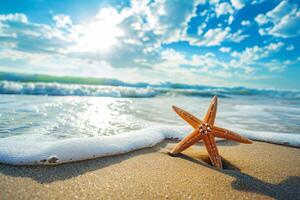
{"x": 238, "y": 4}
{"x": 216, "y": 36}
{"x": 253, "y": 59}
{"x": 288, "y": 26}
{"x": 290, "y": 47}
{"x": 62, "y": 20}
{"x": 243, "y": 66}
{"x": 172, "y": 58}
{"x": 245, "y": 23}
{"x": 281, "y": 10}
{"x": 225, "y": 49}
{"x": 8, "y": 44}
{"x": 134, "y": 38}
{"x": 230, "y": 19}
{"x": 283, "y": 21}
{"x": 213, "y": 37}
{"x": 42, "y": 38}
{"x": 206, "y": 64}
{"x": 261, "y": 19}
{"x": 19, "y": 17}
{"x": 274, "y": 46}
{"x": 223, "y": 8}
{"x": 257, "y": 2}
{"x": 250, "y": 55}
{"x": 262, "y": 31}
{"x": 201, "y": 28}
{"x": 52, "y": 63}
{"x": 162, "y": 18}
{"x": 130, "y": 36}
{"x": 237, "y": 36}
{"x": 275, "y": 66}
{"x": 126, "y": 37}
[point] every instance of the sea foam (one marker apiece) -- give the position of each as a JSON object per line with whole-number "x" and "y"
{"x": 138, "y": 90}
{"x": 32, "y": 150}
{"x": 56, "y": 89}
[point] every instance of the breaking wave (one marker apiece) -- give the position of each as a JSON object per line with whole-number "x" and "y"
{"x": 57, "y": 89}
{"x": 139, "y": 90}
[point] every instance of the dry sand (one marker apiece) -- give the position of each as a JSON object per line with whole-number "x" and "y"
{"x": 260, "y": 171}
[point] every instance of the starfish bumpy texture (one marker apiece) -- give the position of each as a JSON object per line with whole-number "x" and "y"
{"x": 206, "y": 131}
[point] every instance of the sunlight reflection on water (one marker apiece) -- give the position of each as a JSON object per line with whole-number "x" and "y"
{"x": 64, "y": 117}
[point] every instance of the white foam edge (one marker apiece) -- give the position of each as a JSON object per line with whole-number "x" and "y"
{"x": 27, "y": 150}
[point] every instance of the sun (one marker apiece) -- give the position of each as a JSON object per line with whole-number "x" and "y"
{"x": 101, "y": 33}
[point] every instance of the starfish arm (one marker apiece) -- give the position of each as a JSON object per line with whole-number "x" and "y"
{"x": 211, "y": 112}
{"x": 230, "y": 135}
{"x": 188, "y": 117}
{"x": 212, "y": 150}
{"x": 188, "y": 141}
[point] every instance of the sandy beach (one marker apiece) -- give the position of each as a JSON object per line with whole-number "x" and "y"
{"x": 260, "y": 170}
{"x": 95, "y": 96}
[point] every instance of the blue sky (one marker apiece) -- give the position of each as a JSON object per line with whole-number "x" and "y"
{"x": 229, "y": 43}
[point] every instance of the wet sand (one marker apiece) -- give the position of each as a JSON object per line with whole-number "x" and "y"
{"x": 259, "y": 170}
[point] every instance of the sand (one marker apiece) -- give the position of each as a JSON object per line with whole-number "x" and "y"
{"x": 259, "y": 170}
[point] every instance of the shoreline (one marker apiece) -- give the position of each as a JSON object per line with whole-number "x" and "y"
{"x": 260, "y": 170}
{"x": 14, "y": 151}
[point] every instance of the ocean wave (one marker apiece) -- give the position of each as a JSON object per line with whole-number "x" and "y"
{"x": 32, "y": 150}
{"x": 57, "y": 89}
{"x": 139, "y": 90}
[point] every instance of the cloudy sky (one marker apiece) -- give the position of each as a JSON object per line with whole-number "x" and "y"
{"x": 231, "y": 43}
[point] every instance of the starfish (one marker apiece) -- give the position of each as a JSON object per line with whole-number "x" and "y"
{"x": 206, "y": 130}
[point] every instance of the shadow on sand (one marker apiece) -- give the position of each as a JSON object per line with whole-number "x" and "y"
{"x": 287, "y": 189}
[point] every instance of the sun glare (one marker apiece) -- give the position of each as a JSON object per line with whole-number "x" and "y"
{"x": 101, "y": 33}
{"x": 100, "y": 36}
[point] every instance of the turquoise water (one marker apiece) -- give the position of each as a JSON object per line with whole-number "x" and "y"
{"x": 41, "y": 119}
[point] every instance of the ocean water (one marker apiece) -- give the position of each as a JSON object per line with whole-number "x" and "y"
{"x": 71, "y": 122}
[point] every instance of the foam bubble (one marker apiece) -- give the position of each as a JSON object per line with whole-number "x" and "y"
{"x": 32, "y": 150}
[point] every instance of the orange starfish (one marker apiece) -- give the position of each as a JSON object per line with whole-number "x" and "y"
{"x": 206, "y": 131}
